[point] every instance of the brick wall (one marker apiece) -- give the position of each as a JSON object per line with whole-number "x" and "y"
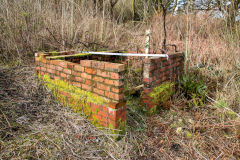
{"x": 91, "y": 86}
{"x": 160, "y": 70}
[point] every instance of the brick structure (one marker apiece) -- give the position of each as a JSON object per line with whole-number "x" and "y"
{"x": 160, "y": 70}
{"x": 94, "y": 85}
{"x": 90, "y": 86}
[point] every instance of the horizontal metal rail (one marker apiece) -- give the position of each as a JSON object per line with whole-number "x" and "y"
{"x": 128, "y": 54}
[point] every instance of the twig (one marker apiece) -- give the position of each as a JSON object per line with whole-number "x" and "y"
{"x": 6, "y": 119}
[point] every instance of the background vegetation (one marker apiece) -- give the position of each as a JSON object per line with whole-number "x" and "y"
{"x": 203, "y": 120}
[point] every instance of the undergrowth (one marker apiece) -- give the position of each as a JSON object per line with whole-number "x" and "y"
{"x": 193, "y": 89}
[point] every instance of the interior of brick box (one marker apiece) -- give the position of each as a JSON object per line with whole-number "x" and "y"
{"x": 133, "y": 76}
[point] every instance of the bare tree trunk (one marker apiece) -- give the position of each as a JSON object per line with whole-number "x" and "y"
{"x": 174, "y": 6}
{"x": 112, "y": 5}
{"x": 133, "y": 10}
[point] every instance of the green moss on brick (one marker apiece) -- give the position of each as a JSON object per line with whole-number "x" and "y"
{"x": 74, "y": 91}
{"x": 62, "y": 57}
{"x": 160, "y": 96}
{"x": 162, "y": 93}
{"x": 78, "y": 99}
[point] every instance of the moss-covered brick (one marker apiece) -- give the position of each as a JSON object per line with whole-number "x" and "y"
{"x": 63, "y": 57}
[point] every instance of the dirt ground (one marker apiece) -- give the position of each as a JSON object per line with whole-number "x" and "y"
{"x": 35, "y": 126}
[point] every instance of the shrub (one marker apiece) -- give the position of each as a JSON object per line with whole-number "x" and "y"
{"x": 193, "y": 89}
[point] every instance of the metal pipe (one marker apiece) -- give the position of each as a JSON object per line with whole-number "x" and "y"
{"x": 128, "y": 54}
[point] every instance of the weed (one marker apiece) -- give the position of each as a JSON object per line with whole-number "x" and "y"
{"x": 193, "y": 89}
{"x": 221, "y": 104}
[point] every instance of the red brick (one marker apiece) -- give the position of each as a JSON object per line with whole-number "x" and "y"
{"x": 59, "y": 68}
{"x": 43, "y": 60}
{"x": 103, "y": 73}
{"x": 64, "y": 93}
{"x": 112, "y": 116}
{"x": 76, "y": 73}
{"x": 98, "y": 117}
{"x": 114, "y": 124}
{"x": 98, "y": 79}
{"x": 166, "y": 73}
{"x": 105, "y": 119}
{"x": 90, "y": 70}
{"x": 165, "y": 63}
{"x": 86, "y": 87}
{"x": 62, "y": 64}
{"x": 42, "y": 73}
{"x": 86, "y": 63}
{"x": 116, "y": 115}
{"x": 52, "y": 67}
{"x": 38, "y": 68}
{"x": 103, "y": 123}
{"x": 103, "y": 87}
{"x": 114, "y": 67}
{"x": 94, "y": 94}
{"x": 89, "y": 82}
{"x": 55, "y": 62}
{"x": 150, "y": 106}
{"x": 50, "y": 71}
{"x": 70, "y": 65}
{"x": 105, "y": 109}
{"x": 147, "y": 80}
{"x": 164, "y": 78}
{"x": 103, "y": 114}
{"x": 57, "y": 78}
{"x": 37, "y": 59}
{"x": 98, "y": 91}
{"x": 86, "y": 76}
{"x": 63, "y": 75}
{"x": 44, "y": 65}
{"x": 152, "y": 67}
{"x": 93, "y": 108}
{"x": 158, "y": 81}
{"x": 124, "y": 117}
{"x": 115, "y": 105}
{"x": 43, "y": 69}
{"x": 79, "y": 68}
{"x": 115, "y": 96}
{"x": 113, "y": 82}
{"x": 79, "y": 79}
{"x": 147, "y": 101}
{"x": 147, "y": 90}
{"x": 67, "y": 71}
{"x": 57, "y": 73}
{"x": 117, "y": 90}
{"x": 107, "y": 93}
{"x": 77, "y": 84}
{"x": 98, "y": 64}
{"x": 154, "y": 78}
{"x": 114, "y": 75}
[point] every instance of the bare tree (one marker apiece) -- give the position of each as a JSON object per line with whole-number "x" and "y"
{"x": 112, "y": 4}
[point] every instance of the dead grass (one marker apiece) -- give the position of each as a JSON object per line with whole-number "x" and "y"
{"x": 33, "y": 126}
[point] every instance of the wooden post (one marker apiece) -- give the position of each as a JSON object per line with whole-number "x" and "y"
{"x": 147, "y": 46}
